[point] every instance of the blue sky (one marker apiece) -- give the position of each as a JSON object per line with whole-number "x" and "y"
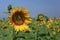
{"x": 49, "y": 8}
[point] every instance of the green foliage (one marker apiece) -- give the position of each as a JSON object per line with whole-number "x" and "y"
{"x": 38, "y": 32}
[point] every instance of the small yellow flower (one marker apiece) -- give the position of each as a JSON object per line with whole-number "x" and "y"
{"x": 43, "y": 22}
{"x": 54, "y": 33}
{"x": 50, "y": 20}
{"x": 4, "y": 26}
{"x": 48, "y": 25}
{"x": 41, "y": 17}
{"x": 19, "y": 18}
{"x": 57, "y": 29}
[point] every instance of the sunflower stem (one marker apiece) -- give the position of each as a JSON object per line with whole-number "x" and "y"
{"x": 13, "y": 34}
{"x": 35, "y": 35}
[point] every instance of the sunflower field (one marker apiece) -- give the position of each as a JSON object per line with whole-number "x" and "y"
{"x": 20, "y": 26}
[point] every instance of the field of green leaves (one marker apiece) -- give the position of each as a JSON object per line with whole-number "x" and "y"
{"x": 40, "y": 30}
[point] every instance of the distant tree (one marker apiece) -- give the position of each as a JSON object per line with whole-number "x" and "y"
{"x": 9, "y": 8}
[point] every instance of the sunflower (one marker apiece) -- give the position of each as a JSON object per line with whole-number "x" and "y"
{"x": 4, "y": 26}
{"x": 50, "y": 20}
{"x": 57, "y": 29}
{"x": 49, "y": 25}
{"x": 19, "y": 18}
{"x": 40, "y": 17}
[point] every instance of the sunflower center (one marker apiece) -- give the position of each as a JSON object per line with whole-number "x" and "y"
{"x": 18, "y": 18}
